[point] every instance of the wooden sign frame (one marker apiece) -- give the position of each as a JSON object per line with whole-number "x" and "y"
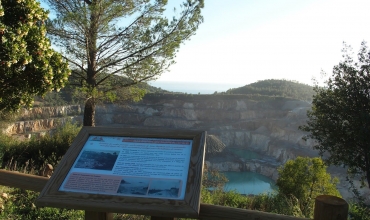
{"x": 54, "y": 195}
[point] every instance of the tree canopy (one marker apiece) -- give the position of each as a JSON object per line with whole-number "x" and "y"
{"x": 134, "y": 39}
{"x": 306, "y": 178}
{"x": 340, "y": 116}
{"x": 28, "y": 65}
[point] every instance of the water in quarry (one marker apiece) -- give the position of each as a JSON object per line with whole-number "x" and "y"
{"x": 249, "y": 183}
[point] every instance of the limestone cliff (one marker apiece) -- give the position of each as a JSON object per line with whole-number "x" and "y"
{"x": 268, "y": 126}
{"x": 41, "y": 119}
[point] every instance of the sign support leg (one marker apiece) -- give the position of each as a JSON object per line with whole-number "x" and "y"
{"x": 89, "y": 215}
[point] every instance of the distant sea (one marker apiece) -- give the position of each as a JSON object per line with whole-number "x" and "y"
{"x": 195, "y": 87}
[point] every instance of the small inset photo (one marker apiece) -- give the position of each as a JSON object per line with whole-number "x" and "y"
{"x": 166, "y": 188}
{"x": 97, "y": 160}
{"x": 133, "y": 186}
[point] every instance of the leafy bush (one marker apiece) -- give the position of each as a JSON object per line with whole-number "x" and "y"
{"x": 20, "y": 205}
{"x": 304, "y": 179}
{"x": 38, "y": 152}
{"x": 358, "y": 212}
{"x": 5, "y": 142}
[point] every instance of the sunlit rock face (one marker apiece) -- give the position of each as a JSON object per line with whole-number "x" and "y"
{"x": 268, "y": 126}
{"x": 42, "y": 119}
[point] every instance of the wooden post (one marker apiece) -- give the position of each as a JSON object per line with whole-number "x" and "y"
{"x": 90, "y": 215}
{"x": 330, "y": 208}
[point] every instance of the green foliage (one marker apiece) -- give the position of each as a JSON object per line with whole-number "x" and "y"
{"x": 5, "y": 141}
{"x": 275, "y": 202}
{"x": 273, "y": 87}
{"x": 339, "y": 120}
{"x": 19, "y": 204}
{"x": 54, "y": 99}
{"x": 28, "y": 65}
{"x": 213, "y": 179}
{"x": 306, "y": 178}
{"x": 122, "y": 43}
{"x": 38, "y": 152}
{"x": 358, "y": 212}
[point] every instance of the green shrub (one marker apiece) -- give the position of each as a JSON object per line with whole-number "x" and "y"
{"x": 20, "y": 205}
{"x": 5, "y": 143}
{"x": 358, "y": 212}
{"x": 306, "y": 178}
{"x": 38, "y": 152}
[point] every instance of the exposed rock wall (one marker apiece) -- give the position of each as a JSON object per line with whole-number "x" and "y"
{"x": 269, "y": 126}
{"x": 42, "y": 119}
{"x": 49, "y": 112}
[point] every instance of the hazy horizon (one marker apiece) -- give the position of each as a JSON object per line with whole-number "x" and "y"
{"x": 195, "y": 87}
{"x": 246, "y": 41}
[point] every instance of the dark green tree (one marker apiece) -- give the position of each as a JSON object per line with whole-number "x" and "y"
{"x": 105, "y": 39}
{"x": 28, "y": 65}
{"x": 339, "y": 120}
{"x": 305, "y": 179}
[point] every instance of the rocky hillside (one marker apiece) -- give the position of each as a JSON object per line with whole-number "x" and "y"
{"x": 41, "y": 119}
{"x": 263, "y": 126}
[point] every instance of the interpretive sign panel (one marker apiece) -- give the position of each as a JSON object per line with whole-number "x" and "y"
{"x": 140, "y": 167}
{"x": 135, "y": 171}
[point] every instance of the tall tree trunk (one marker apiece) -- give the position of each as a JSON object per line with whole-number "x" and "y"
{"x": 367, "y": 167}
{"x": 89, "y": 113}
{"x": 368, "y": 177}
{"x": 91, "y": 40}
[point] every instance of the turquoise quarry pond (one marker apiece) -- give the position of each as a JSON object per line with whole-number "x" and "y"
{"x": 249, "y": 183}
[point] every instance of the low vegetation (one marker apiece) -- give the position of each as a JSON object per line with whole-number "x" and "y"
{"x": 32, "y": 155}
{"x": 306, "y": 178}
{"x": 38, "y": 152}
{"x": 275, "y": 87}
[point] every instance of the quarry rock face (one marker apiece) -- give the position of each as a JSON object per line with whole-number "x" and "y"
{"x": 268, "y": 126}
{"x": 41, "y": 119}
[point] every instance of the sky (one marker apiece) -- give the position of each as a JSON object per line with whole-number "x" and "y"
{"x": 243, "y": 41}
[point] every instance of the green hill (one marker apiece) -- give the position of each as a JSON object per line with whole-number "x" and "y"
{"x": 275, "y": 87}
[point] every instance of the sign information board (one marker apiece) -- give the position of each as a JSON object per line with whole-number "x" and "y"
{"x": 156, "y": 172}
{"x": 131, "y": 166}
